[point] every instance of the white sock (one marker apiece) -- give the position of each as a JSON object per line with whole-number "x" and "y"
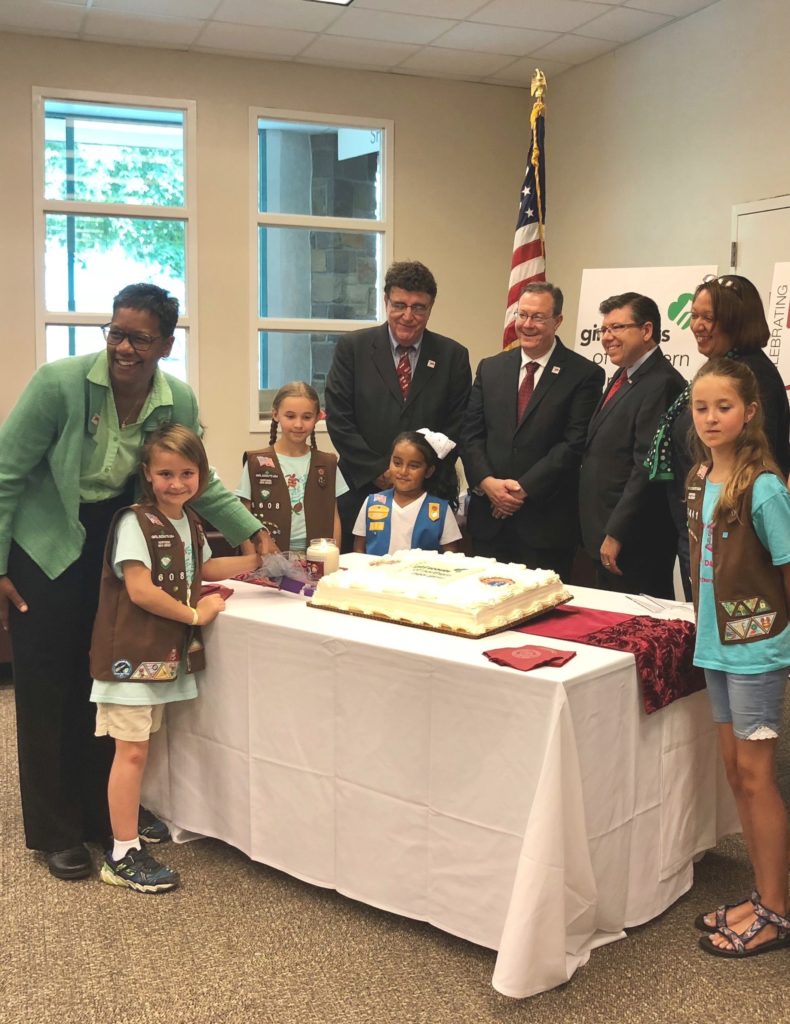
{"x": 120, "y": 847}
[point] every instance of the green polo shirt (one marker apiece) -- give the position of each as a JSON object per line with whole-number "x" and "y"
{"x": 107, "y": 464}
{"x": 56, "y": 443}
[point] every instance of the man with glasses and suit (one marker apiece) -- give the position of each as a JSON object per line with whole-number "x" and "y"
{"x": 627, "y": 527}
{"x": 387, "y": 379}
{"x": 522, "y": 440}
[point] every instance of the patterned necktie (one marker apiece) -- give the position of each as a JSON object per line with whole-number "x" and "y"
{"x": 619, "y": 382}
{"x": 403, "y": 370}
{"x": 526, "y": 388}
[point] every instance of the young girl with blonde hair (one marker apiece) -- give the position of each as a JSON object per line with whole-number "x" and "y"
{"x": 291, "y": 486}
{"x": 147, "y": 642}
{"x": 739, "y": 530}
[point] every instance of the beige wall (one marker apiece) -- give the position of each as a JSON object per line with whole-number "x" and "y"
{"x": 459, "y": 161}
{"x": 650, "y": 147}
{"x": 648, "y": 150}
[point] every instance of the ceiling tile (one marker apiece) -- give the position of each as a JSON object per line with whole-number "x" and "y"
{"x": 623, "y": 24}
{"x": 438, "y": 8}
{"x": 125, "y": 28}
{"x": 432, "y": 60}
{"x": 520, "y": 72}
{"x": 494, "y": 39}
{"x": 39, "y": 16}
{"x": 573, "y": 49}
{"x": 675, "y": 8}
{"x": 157, "y": 9}
{"x": 391, "y": 28}
{"x": 348, "y": 51}
{"x": 224, "y": 38}
{"x": 557, "y": 16}
{"x": 277, "y": 14}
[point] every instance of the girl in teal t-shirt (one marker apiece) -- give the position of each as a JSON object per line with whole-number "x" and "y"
{"x": 739, "y": 523}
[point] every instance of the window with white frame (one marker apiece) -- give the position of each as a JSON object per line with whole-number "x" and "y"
{"x": 115, "y": 206}
{"x": 321, "y": 239}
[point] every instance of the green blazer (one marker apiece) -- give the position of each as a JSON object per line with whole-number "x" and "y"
{"x": 41, "y": 445}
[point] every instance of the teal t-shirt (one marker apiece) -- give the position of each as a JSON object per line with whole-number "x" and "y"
{"x": 771, "y": 520}
{"x": 131, "y": 546}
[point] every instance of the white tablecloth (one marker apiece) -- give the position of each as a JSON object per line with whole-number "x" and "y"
{"x": 538, "y": 814}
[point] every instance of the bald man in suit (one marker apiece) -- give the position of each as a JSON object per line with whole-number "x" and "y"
{"x": 522, "y": 440}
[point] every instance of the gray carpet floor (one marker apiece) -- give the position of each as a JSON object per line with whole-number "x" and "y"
{"x": 240, "y": 942}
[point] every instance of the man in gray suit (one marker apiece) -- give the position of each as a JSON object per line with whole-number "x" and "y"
{"x": 387, "y": 379}
{"x": 626, "y": 524}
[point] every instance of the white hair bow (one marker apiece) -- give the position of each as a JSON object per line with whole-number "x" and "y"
{"x": 440, "y": 443}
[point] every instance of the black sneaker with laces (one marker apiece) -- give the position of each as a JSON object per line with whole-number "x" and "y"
{"x": 150, "y": 829}
{"x": 139, "y": 871}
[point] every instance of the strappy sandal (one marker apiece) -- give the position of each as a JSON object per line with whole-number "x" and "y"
{"x": 763, "y": 917}
{"x": 721, "y": 914}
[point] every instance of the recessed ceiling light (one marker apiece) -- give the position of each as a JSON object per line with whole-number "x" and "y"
{"x": 338, "y": 3}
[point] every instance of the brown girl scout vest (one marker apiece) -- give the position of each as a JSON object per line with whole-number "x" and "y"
{"x": 270, "y": 499}
{"x": 130, "y": 644}
{"x": 748, "y": 590}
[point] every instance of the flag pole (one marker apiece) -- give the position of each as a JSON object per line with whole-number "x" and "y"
{"x": 528, "y": 260}
{"x": 538, "y": 90}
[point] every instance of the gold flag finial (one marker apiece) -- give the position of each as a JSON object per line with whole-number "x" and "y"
{"x": 538, "y": 86}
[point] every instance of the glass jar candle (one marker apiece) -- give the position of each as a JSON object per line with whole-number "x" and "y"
{"x": 322, "y": 557}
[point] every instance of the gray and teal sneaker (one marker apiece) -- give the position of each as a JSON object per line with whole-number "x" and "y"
{"x": 150, "y": 829}
{"x": 139, "y": 871}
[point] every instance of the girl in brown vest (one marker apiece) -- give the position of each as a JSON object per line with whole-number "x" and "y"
{"x": 738, "y": 509}
{"x": 146, "y": 639}
{"x": 291, "y": 486}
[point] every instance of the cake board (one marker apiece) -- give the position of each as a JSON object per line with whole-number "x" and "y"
{"x": 439, "y": 629}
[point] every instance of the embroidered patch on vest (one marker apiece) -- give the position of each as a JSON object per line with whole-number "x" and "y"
{"x": 434, "y": 510}
{"x": 377, "y": 512}
{"x": 157, "y": 671}
{"x": 264, "y": 460}
{"x": 751, "y": 617}
{"x": 122, "y": 669}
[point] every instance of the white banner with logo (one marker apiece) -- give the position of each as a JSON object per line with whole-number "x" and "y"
{"x": 672, "y": 289}
{"x": 778, "y": 314}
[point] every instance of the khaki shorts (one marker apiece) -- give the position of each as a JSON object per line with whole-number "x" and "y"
{"x": 131, "y": 722}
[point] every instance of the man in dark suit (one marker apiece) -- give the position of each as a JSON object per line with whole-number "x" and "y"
{"x": 626, "y": 523}
{"x": 523, "y": 437}
{"x": 387, "y": 379}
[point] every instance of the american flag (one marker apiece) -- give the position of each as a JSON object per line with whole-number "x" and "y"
{"x": 529, "y": 252}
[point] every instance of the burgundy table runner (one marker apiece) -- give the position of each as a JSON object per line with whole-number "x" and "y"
{"x": 663, "y": 648}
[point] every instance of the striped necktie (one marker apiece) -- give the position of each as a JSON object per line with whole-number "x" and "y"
{"x": 403, "y": 370}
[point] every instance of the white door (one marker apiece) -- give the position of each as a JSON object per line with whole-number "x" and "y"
{"x": 761, "y": 235}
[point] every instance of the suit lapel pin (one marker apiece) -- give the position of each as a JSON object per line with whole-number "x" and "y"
{"x": 431, "y": 364}
{"x": 555, "y": 369}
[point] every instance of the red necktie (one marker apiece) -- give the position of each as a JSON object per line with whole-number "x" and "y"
{"x": 526, "y": 388}
{"x": 403, "y": 370}
{"x": 621, "y": 380}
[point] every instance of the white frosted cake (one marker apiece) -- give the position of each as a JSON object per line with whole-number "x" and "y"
{"x": 449, "y": 592}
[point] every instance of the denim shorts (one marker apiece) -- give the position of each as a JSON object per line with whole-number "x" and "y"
{"x": 754, "y": 704}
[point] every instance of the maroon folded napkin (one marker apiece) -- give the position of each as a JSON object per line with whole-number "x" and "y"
{"x": 529, "y": 656}
{"x": 216, "y": 588}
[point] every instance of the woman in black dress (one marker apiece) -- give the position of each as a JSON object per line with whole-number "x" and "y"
{"x": 727, "y": 320}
